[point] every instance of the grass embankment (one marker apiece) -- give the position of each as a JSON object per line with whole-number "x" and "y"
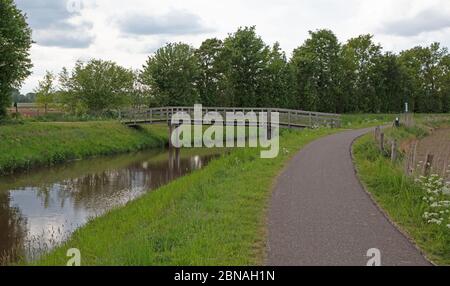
{"x": 27, "y": 145}
{"x": 215, "y": 216}
{"x": 355, "y": 121}
{"x": 399, "y": 195}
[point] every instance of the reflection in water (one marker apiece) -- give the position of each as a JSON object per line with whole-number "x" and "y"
{"x": 38, "y": 210}
{"x": 12, "y": 229}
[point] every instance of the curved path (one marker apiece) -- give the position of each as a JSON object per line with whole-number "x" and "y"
{"x": 321, "y": 215}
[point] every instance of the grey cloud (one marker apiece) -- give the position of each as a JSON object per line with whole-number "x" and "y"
{"x": 45, "y": 13}
{"x": 425, "y": 21}
{"x": 174, "y": 22}
{"x": 65, "y": 36}
{"x": 49, "y": 20}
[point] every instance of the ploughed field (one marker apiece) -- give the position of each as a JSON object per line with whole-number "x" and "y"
{"x": 437, "y": 144}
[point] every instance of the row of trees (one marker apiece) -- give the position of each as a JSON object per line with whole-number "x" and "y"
{"x": 16, "y": 96}
{"x": 242, "y": 71}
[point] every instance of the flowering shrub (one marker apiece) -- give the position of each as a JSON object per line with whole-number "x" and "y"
{"x": 437, "y": 198}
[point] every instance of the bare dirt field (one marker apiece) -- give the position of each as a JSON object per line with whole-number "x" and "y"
{"x": 32, "y": 110}
{"x": 438, "y": 145}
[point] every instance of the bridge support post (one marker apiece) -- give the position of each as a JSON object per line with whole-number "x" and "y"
{"x": 174, "y": 163}
{"x": 172, "y": 128}
{"x": 170, "y": 134}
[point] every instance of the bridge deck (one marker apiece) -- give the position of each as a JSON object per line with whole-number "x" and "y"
{"x": 287, "y": 118}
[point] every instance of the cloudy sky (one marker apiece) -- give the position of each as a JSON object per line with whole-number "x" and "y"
{"x": 129, "y": 31}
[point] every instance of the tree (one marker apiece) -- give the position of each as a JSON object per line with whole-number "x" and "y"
{"x": 425, "y": 67}
{"x": 391, "y": 84}
{"x": 361, "y": 57}
{"x": 316, "y": 66}
{"x": 141, "y": 95}
{"x": 444, "y": 83}
{"x": 172, "y": 73}
{"x": 246, "y": 61}
{"x": 211, "y": 80}
{"x": 16, "y": 96}
{"x": 45, "y": 93}
{"x": 277, "y": 81}
{"x": 96, "y": 87}
{"x": 15, "y": 42}
{"x": 67, "y": 94}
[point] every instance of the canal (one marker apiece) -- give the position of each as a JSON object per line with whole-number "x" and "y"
{"x": 41, "y": 208}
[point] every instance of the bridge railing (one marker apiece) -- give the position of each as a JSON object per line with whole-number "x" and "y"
{"x": 288, "y": 117}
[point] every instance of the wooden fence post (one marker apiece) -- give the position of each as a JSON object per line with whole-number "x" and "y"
{"x": 381, "y": 142}
{"x": 428, "y": 164}
{"x": 377, "y": 133}
{"x": 394, "y": 151}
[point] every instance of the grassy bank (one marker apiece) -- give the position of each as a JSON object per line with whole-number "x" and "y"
{"x": 355, "y": 121}
{"x": 23, "y": 146}
{"x": 400, "y": 196}
{"x": 215, "y": 216}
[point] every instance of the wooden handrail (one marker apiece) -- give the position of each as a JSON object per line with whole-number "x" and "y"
{"x": 294, "y": 117}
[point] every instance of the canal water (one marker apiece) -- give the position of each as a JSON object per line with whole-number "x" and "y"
{"x": 43, "y": 207}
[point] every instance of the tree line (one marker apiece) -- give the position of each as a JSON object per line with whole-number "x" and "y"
{"x": 241, "y": 70}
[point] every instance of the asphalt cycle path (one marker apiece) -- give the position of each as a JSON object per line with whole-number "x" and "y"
{"x": 321, "y": 215}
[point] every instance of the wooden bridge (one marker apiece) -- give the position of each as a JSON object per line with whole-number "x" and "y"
{"x": 287, "y": 118}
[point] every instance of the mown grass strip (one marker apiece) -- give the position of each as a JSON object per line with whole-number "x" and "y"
{"x": 23, "y": 146}
{"x": 215, "y": 216}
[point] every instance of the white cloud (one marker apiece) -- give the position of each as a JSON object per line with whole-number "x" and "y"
{"x": 127, "y": 32}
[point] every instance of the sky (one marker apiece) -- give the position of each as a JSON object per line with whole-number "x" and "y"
{"x": 128, "y": 32}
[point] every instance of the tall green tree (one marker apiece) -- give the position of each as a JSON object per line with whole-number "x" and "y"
{"x": 424, "y": 66}
{"x": 15, "y": 42}
{"x": 361, "y": 57}
{"x": 317, "y": 69}
{"x": 277, "y": 82}
{"x": 45, "y": 93}
{"x": 172, "y": 74}
{"x": 96, "y": 87}
{"x": 444, "y": 83}
{"x": 141, "y": 96}
{"x": 391, "y": 84}
{"x": 211, "y": 80}
{"x": 67, "y": 95}
{"x": 246, "y": 57}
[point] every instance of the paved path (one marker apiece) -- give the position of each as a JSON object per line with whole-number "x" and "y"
{"x": 321, "y": 215}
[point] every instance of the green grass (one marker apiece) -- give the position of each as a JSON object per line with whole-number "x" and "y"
{"x": 433, "y": 120}
{"x": 215, "y": 216}
{"x": 399, "y": 195}
{"x": 355, "y": 121}
{"x": 27, "y": 145}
